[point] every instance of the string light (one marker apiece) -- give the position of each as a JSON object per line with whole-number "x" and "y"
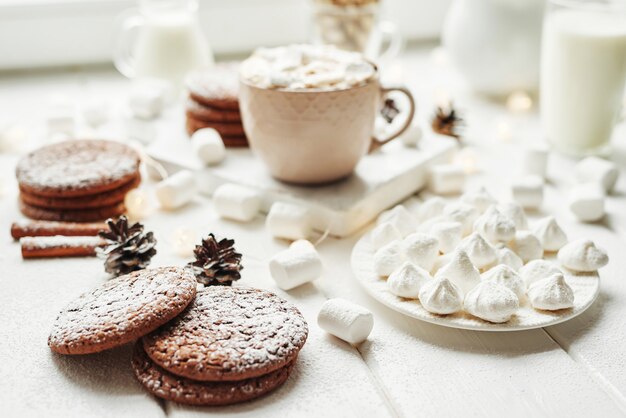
{"x": 519, "y": 101}
{"x": 137, "y": 204}
{"x": 184, "y": 241}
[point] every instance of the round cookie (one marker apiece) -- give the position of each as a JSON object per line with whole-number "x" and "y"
{"x": 122, "y": 310}
{"x": 224, "y": 128}
{"x": 60, "y": 215}
{"x": 77, "y": 168}
{"x": 235, "y": 141}
{"x": 209, "y": 114}
{"x": 112, "y": 197}
{"x": 229, "y": 333}
{"x": 174, "y": 388}
{"x": 216, "y": 87}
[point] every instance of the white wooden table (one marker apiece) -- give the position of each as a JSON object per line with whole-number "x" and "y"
{"x": 407, "y": 368}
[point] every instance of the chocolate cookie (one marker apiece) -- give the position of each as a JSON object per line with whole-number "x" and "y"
{"x": 77, "y": 168}
{"x": 168, "y": 386}
{"x": 86, "y": 215}
{"x": 224, "y": 128}
{"x": 229, "y": 333}
{"x": 122, "y": 310}
{"x": 110, "y": 198}
{"x": 217, "y": 87}
{"x": 235, "y": 141}
{"x": 210, "y": 114}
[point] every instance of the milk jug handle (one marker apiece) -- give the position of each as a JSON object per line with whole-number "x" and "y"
{"x": 127, "y": 28}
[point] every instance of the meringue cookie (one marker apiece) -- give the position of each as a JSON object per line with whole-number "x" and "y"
{"x": 550, "y": 234}
{"x": 462, "y": 213}
{"x": 389, "y": 258}
{"x": 582, "y": 255}
{"x": 430, "y": 208}
{"x": 551, "y": 294}
{"x": 494, "y": 226}
{"x": 441, "y": 296}
{"x": 506, "y": 276}
{"x": 383, "y": 234}
{"x": 480, "y": 199}
{"x": 399, "y": 217}
{"x": 509, "y": 258}
{"x": 492, "y": 302}
{"x": 441, "y": 261}
{"x": 527, "y": 246}
{"x": 448, "y": 233}
{"x": 460, "y": 271}
{"x": 538, "y": 270}
{"x": 480, "y": 252}
{"x": 407, "y": 280}
{"x": 421, "y": 249}
{"x": 515, "y": 212}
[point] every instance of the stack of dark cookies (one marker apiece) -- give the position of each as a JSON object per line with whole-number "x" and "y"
{"x": 77, "y": 181}
{"x": 214, "y": 103}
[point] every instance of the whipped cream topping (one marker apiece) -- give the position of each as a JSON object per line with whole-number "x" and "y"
{"x": 492, "y": 302}
{"x": 460, "y": 271}
{"x": 383, "y": 234}
{"x": 421, "y": 249}
{"x": 407, "y": 280}
{"x": 551, "y": 294}
{"x": 495, "y": 226}
{"x": 481, "y": 253}
{"x": 389, "y": 258}
{"x": 304, "y": 67}
{"x": 550, "y": 234}
{"x": 449, "y": 235}
{"x": 430, "y": 208}
{"x": 509, "y": 258}
{"x": 463, "y": 213}
{"x": 506, "y": 276}
{"x": 399, "y": 217}
{"x": 481, "y": 199}
{"x": 582, "y": 255}
{"x": 538, "y": 270}
{"x": 441, "y": 296}
{"x": 527, "y": 246}
{"x": 515, "y": 212}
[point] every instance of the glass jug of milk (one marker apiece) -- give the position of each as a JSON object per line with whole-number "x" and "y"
{"x": 583, "y": 71}
{"x": 162, "y": 39}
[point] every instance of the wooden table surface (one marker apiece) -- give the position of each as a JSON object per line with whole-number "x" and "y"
{"x": 407, "y": 368}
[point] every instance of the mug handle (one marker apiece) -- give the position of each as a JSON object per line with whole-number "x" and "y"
{"x": 377, "y": 142}
{"x": 128, "y": 23}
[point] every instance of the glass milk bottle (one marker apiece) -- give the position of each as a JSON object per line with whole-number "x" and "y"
{"x": 162, "y": 40}
{"x": 583, "y": 71}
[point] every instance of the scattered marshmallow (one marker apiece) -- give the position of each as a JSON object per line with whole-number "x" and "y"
{"x": 383, "y": 234}
{"x": 421, "y": 249}
{"x": 289, "y": 221}
{"x": 389, "y": 258}
{"x": 345, "y": 320}
{"x": 448, "y": 234}
{"x": 527, "y": 246}
{"x": 495, "y": 226}
{"x": 538, "y": 270}
{"x": 412, "y": 136}
{"x": 141, "y": 130}
{"x": 145, "y": 101}
{"x": 441, "y": 296}
{"x": 481, "y": 199}
{"x": 492, "y": 302}
{"x": 528, "y": 191}
{"x": 95, "y": 112}
{"x": 399, "y": 217}
{"x": 460, "y": 271}
{"x": 430, "y": 208}
{"x": 446, "y": 179}
{"x": 515, "y": 212}
{"x": 208, "y": 146}
{"x": 239, "y": 203}
{"x": 595, "y": 169}
{"x": 407, "y": 280}
{"x": 551, "y": 294}
{"x": 583, "y": 256}
{"x": 550, "y": 234}
{"x": 298, "y": 264}
{"x": 506, "y": 276}
{"x": 60, "y": 120}
{"x": 177, "y": 190}
{"x": 535, "y": 160}
{"x": 466, "y": 215}
{"x": 509, "y": 258}
{"x": 480, "y": 252}
{"x": 586, "y": 201}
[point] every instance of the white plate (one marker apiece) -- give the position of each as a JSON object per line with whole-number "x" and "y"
{"x": 586, "y": 288}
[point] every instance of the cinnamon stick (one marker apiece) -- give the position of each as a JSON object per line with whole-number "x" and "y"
{"x": 60, "y": 246}
{"x": 50, "y": 229}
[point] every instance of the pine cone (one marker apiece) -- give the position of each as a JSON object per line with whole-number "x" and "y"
{"x": 130, "y": 248}
{"x": 447, "y": 122}
{"x": 217, "y": 263}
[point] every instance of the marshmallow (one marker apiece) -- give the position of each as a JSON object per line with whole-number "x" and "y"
{"x": 430, "y": 208}
{"x": 594, "y": 169}
{"x": 239, "y": 203}
{"x": 551, "y": 294}
{"x": 383, "y": 234}
{"x": 466, "y": 215}
{"x": 516, "y": 213}
{"x": 582, "y": 255}
{"x": 145, "y": 101}
{"x": 509, "y": 258}
{"x": 412, "y": 136}
{"x": 448, "y": 234}
{"x": 535, "y": 160}
{"x": 421, "y": 249}
{"x": 441, "y": 296}
{"x": 60, "y": 120}
{"x": 288, "y": 221}
{"x": 528, "y": 191}
{"x": 480, "y": 252}
{"x": 527, "y": 246}
{"x": 586, "y": 201}
{"x": 460, "y": 271}
{"x": 345, "y": 320}
{"x": 142, "y": 130}
{"x": 538, "y": 270}
{"x": 492, "y": 302}
{"x": 399, "y": 217}
{"x": 446, "y": 179}
{"x": 95, "y": 112}
{"x": 177, "y": 190}
{"x": 480, "y": 199}
{"x": 407, "y": 280}
{"x": 389, "y": 258}
{"x": 208, "y": 146}
{"x": 550, "y": 234}
{"x": 495, "y": 226}
{"x": 506, "y": 276}
{"x": 298, "y": 264}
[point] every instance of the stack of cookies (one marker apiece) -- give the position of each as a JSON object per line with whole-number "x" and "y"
{"x": 77, "y": 181}
{"x": 218, "y": 345}
{"x": 214, "y": 103}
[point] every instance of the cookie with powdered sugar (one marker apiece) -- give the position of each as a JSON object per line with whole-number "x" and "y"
{"x": 228, "y": 334}
{"x": 122, "y": 310}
